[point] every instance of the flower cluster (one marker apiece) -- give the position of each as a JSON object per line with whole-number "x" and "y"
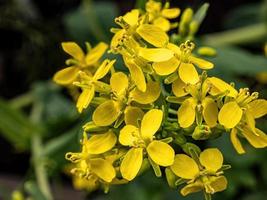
{"x": 148, "y": 113}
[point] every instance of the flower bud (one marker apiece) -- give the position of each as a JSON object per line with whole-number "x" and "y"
{"x": 201, "y": 132}
{"x": 206, "y": 51}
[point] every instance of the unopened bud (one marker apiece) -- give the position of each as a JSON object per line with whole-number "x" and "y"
{"x": 193, "y": 28}
{"x": 207, "y": 51}
{"x": 201, "y": 132}
{"x": 188, "y": 148}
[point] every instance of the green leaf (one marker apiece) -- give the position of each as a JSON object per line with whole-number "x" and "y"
{"x": 62, "y": 143}
{"x": 58, "y": 111}
{"x": 15, "y": 126}
{"x": 233, "y": 61}
{"x": 91, "y": 20}
{"x": 243, "y": 15}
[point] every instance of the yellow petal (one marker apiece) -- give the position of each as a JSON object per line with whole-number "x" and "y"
{"x": 116, "y": 38}
{"x": 186, "y": 113}
{"x": 257, "y": 141}
{"x": 166, "y": 67}
{"x": 131, "y": 163}
{"x": 161, "y": 153}
{"x": 132, "y": 115}
{"x": 96, "y": 53}
{"x": 230, "y": 115}
{"x": 211, "y": 159}
{"x": 170, "y": 13}
{"x": 131, "y": 17}
{"x": 153, "y": 6}
{"x": 106, "y": 113}
{"x": 258, "y": 108}
{"x": 101, "y": 143}
{"x": 188, "y": 73}
{"x": 218, "y": 183}
{"x": 103, "y": 69}
{"x": 162, "y": 23}
{"x": 153, "y": 35}
{"x": 66, "y": 76}
{"x": 174, "y": 48}
{"x": 219, "y": 86}
{"x": 85, "y": 98}
{"x": 202, "y": 64}
{"x": 210, "y": 111}
{"x": 236, "y": 142}
{"x": 103, "y": 169}
{"x": 178, "y": 88}
{"x": 128, "y": 135}
{"x": 192, "y": 188}
{"x": 151, "y": 123}
{"x": 137, "y": 75}
{"x": 155, "y": 54}
{"x": 151, "y": 94}
{"x": 250, "y": 120}
{"x": 184, "y": 167}
{"x": 73, "y": 49}
{"x": 119, "y": 83}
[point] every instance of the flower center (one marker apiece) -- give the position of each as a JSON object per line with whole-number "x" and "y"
{"x": 244, "y": 97}
{"x": 186, "y": 50}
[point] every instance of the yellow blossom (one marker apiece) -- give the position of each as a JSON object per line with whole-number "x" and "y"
{"x": 239, "y": 113}
{"x": 184, "y": 61}
{"x": 121, "y": 97}
{"x": 90, "y": 84}
{"x": 159, "y": 15}
{"x": 130, "y": 41}
{"x": 88, "y": 164}
{"x": 141, "y": 140}
{"x": 79, "y": 61}
{"x": 132, "y": 25}
{"x": 206, "y": 176}
{"x": 196, "y": 106}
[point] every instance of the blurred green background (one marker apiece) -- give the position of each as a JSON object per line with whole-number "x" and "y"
{"x": 38, "y": 116}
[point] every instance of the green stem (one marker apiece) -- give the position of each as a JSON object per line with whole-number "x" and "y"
{"x": 172, "y": 111}
{"x": 37, "y": 157}
{"x": 171, "y": 119}
{"x": 207, "y": 196}
{"x": 247, "y": 34}
{"x": 21, "y": 101}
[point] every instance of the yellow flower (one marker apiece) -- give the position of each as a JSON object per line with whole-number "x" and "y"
{"x": 141, "y": 139}
{"x": 132, "y": 25}
{"x": 184, "y": 61}
{"x": 130, "y": 43}
{"x": 90, "y": 184}
{"x": 122, "y": 95}
{"x": 88, "y": 164}
{"x": 79, "y": 61}
{"x": 159, "y": 16}
{"x": 206, "y": 177}
{"x": 91, "y": 84}
{"x": 199, "y": 105}
{"x": 239, "y": 113}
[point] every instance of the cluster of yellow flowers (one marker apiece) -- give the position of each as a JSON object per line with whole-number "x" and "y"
{"x": 140, "y": 118}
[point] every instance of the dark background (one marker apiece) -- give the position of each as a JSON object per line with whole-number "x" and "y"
{"x": 30, "y": 35}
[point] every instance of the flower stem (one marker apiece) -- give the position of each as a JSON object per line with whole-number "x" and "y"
{"x": 37, "y": 157}
{"x": 172, "y": 111}
{"x": 207, "y": 196}
{"x": 21, "y": 101}
{"x": 247, "y": 34}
